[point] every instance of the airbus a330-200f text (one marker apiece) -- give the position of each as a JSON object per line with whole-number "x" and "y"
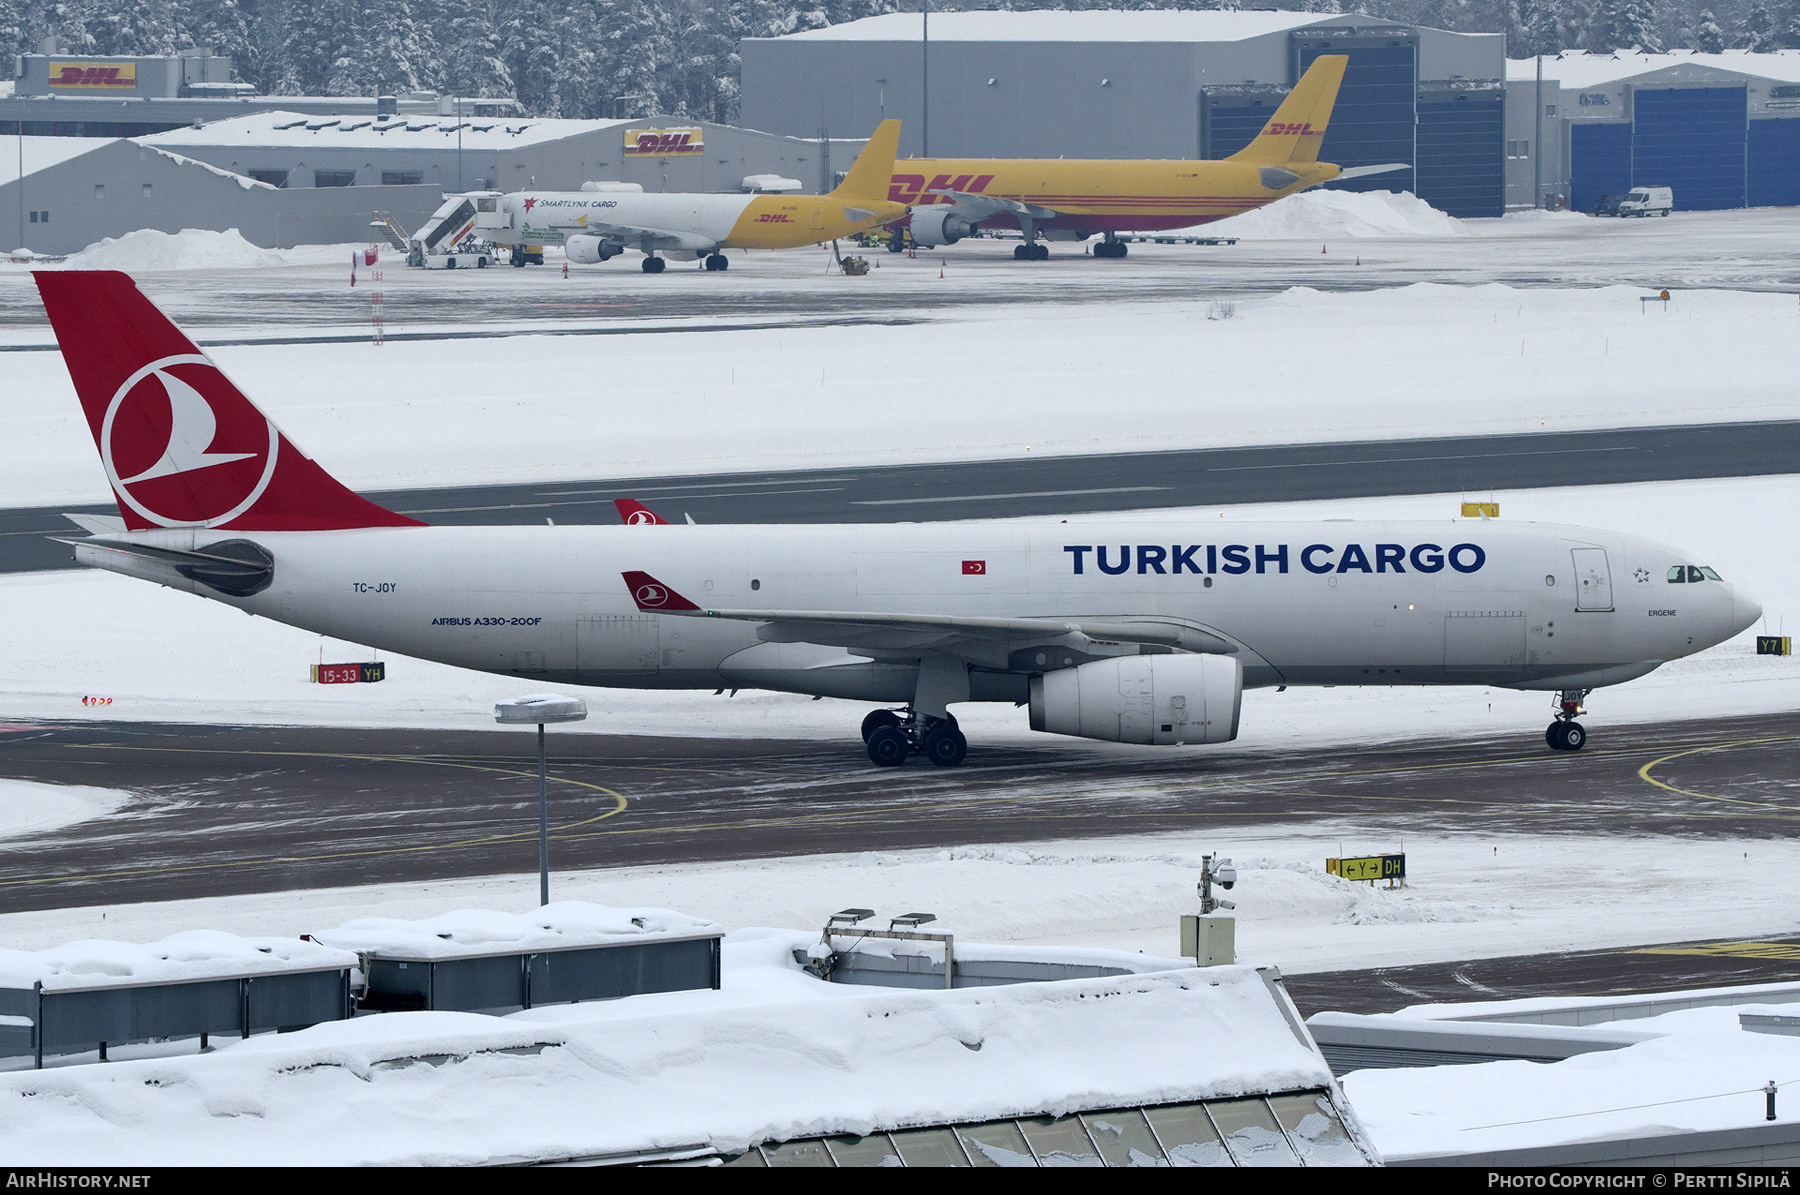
{"x": 1141, "y": 630}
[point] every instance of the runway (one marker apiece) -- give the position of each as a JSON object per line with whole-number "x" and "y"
{"x": 219, "y": 811}
{"x": 1073, "y": 484}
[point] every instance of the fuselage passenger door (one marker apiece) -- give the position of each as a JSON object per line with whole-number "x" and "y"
{"x": 1593, "y": 579}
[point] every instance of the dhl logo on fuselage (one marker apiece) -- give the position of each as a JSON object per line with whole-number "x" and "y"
{"x": 1278, "y": 129}
{"x": 915, "y": 189}
{"x": 87, "y": 76}
{"x": 774, "y": 218}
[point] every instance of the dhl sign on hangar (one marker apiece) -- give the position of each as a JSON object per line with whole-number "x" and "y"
{"x": 93, "y": 76}
{"x": 664, "y": 143}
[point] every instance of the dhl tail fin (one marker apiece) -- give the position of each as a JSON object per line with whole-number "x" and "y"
{"x": 874, "y": 166}
{"x": 1293, "y": 134}
{"x": 181, "y": 445}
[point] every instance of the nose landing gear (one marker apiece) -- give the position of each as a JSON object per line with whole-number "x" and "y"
{"x": 892, "y": 740}
{"x": 1565, "y": 733}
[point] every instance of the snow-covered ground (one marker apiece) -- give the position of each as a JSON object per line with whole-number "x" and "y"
{"x": 198, "y": 249}
{"x": 1305, "y": 365}
{"x": 77, "y": 634}
{"x": 27, "y": 807}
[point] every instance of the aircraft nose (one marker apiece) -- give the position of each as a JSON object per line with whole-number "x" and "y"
{"x": 1745, "y": 609}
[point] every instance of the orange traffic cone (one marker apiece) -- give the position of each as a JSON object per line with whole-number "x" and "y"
{"x": 1321, "y": 248}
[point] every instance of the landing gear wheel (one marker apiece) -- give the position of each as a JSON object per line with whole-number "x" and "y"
{"x": 1553, "y": 735}
{"x": 1574, "y": 736}
{"x": 1021, "y": 252}
{"x": 1040, "y": 252}
{"x": 876, "y": 720}
{"x": 718, "y": 261}
{"x": 654, "y": 265}
{"x": 945, "y": 745}
{"x": 888, "y": 747}
{"x": 1110, "y": 249}
{"x": 896, "y": 243}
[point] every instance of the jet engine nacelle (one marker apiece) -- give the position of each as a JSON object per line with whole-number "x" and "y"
{"x": 587, "y": 250}
{"x": 934, "y": 226}
{"x": 1159, "y": 700}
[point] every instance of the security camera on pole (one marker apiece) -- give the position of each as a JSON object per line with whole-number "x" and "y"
{"x": 1211, "y": 941}
{"x": 541, "y": 708}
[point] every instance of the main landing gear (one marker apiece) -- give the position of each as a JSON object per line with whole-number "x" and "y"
{"x": 655, "y": 265}
{"x": 1031, "y": 251}
{"x": 1566, "y": 734}
{"x": 718, "y": 261}
{"x": 1112, "y": 246}
{"x": 892, "y": 740}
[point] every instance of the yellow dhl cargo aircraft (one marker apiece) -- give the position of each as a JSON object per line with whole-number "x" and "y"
{"x": 1073, "y": 199}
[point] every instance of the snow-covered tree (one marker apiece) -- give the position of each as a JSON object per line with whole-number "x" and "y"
{"x": 1708, "y": 37}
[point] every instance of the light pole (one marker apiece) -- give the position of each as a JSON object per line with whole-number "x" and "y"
{"x": 925, "y": 81}
{"x": 541, "y": 708}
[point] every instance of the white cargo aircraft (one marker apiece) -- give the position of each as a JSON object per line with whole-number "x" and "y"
{"x": 1135, "y": 631}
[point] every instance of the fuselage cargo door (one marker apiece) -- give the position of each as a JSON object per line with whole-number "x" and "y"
{"x": 1593, "y": 579}
{"x": 618, "y": 643}
{"x": 818, "y": 217}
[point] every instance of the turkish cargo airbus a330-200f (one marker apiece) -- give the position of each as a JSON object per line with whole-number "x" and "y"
{"x": 1135, "y": 631}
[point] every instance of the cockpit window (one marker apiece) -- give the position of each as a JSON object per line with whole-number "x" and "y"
{"x": 1695, "y": 576}
{"x": 1710, "y": 575}
{"x": 1677, "y": 574}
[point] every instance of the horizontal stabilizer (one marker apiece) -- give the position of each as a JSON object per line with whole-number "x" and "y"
{"x": 1363, "y": 171}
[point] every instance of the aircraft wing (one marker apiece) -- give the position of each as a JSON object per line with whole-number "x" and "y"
{"x": 980, "y": 207}
{"x": 664, "y": 239}
{"x": 988, "y": 640}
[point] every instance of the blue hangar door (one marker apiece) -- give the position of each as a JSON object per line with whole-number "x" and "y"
{"x": 1375, "y": 120}
{"x": 1694, "y": 139}
{"x": 1775, "y": 162}
{"x": 1600, "y": 163}
{"x": 1462, "y": 150}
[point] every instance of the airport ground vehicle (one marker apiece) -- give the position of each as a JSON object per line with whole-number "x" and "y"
{"x": 1134, "y": 630}
{"x": 1608, "y": 205}
{"x": 1055, "y": 199}
{"x": 1647, "y": 201}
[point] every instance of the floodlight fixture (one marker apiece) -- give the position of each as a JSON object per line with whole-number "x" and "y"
{"x": 851, "y": 916}
{"x": 912, "y": 920}
{"x": 538, "y": 709}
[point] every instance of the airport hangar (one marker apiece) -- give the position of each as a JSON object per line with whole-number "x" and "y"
{"x": 314, "y": 170}
{"x": 1722, "y": 129}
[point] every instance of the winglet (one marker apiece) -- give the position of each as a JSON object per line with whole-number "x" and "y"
{"x": 653, "y": 597}
{"x": 636, "y": 514}
{"x": 1294, "y": 133}
{"x": 874, "y": 166}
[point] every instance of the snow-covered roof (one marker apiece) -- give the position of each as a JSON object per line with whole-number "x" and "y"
{"x": 774, "y": 1055}
{"x": 561, "y": 926}
{"x": 1577, "y": 68}
{"x": 1090, "y": 26}
{"x": 183, "y": 957}
{"x": 43, "y": 152}
{"x": 366, "y": 132}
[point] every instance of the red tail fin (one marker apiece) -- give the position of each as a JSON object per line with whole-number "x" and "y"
{"x": 181, "y": 445}
{"x": 635, "y": 513}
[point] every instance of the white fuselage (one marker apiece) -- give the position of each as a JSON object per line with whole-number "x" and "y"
{"x": 553, "y": 216}
{"x": 1530, "y": 606}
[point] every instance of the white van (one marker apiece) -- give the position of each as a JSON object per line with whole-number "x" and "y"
{"x": 1647, "y": 201}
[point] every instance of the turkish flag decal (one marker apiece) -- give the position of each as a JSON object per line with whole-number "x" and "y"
{"x": 974, "y": 568}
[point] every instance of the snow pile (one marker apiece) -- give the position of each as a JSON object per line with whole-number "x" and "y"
{"x": 1703, "y": 1072}
{"x": 191, "y": 955}
{"x": 1329, "y": 215}
{"x": 189, "y": 249}
{"x": 552, "y": 927}
{"x": 27, "y": 807}
{"x": 777, "y": 1054}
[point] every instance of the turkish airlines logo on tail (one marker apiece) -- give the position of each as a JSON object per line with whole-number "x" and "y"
{"x": 974, "y": 568}
{"x": 182, "y": 447}
{"x": 651, "y": 595}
